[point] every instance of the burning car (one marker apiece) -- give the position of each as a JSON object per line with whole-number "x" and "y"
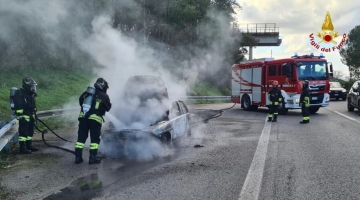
{"x": 146, "y": 112}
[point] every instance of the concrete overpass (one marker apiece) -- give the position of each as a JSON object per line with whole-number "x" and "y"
{"x": 267, "y": 34}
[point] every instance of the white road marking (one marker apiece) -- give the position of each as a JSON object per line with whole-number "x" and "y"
{"x": 252, "y": 184}
{"x": 343, "y": 115}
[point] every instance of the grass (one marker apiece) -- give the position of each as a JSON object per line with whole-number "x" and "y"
{"x": 2, "y": 195}
{"x": 203, "y": 88}
{"x": 55, "y": 88}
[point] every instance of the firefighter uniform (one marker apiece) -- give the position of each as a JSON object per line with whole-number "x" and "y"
{"x": 25, "y": 111}
{"x": 92, "y": 121}
{"x": 275, "y": 98}
{"x": 305, "y": 102}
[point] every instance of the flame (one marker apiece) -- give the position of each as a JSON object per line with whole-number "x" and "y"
{"x": 327, "y": 25}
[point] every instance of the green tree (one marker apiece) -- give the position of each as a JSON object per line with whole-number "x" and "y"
{"x": 350, "y": 52}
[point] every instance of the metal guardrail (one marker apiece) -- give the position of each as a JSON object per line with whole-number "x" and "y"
{"x": 207, "y": 98}
{"x": 8, "y": 133}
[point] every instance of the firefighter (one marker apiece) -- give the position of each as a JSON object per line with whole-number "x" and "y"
{"x": 305, "y": 102}
{"x": 275, "y": 98}
{"x": 92, "y": 121}
{"x": 25, "y": 111}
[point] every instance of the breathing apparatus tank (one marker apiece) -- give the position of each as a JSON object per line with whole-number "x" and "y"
{"x": 88, "y": 100}
{"x": 13, "y": 91}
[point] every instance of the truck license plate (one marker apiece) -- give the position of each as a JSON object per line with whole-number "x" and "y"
{"x": 336, "y": 94}
{"x": 314, "y": 98}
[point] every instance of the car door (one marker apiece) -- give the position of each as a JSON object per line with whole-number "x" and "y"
{"x": 175, "y": 120}
{"x": 186, "y": 115}
{"x": 356, "y": 94}
{"x": 353, "y": 94}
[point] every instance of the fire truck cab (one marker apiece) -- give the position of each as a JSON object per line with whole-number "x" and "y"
{"x": 252, "y": 79}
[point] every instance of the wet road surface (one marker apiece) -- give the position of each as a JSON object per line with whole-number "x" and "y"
{"x": 241, "y": 155}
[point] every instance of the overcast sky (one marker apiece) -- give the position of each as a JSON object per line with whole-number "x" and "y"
{"x": 296, "y": 20}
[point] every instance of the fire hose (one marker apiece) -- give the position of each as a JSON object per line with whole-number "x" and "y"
{"x": 43, "y": 132}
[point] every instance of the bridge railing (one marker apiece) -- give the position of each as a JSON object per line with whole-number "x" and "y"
{"x": 256, "y": 28}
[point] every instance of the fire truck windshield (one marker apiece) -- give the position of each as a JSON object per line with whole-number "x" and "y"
{"x": 311, "y": 70}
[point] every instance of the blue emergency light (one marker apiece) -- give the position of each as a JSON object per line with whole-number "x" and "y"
{"x": 321, "y": 55}
{"x": 295, "y": 55}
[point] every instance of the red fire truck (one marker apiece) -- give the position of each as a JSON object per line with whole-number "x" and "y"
{"x": 252, "y": 79}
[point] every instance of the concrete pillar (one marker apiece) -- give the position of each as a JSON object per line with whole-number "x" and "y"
{"x": 250, "y": 53}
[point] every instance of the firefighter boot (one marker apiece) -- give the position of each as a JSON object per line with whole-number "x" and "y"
{"x": 23, "y": 149}
{"x": 304, "y": 122}
{"x": 269, "y": 119}
{"x": 30, "y": 147}
{"x": 93, "y": 159}
{"x": 274, "y": 119}
{"x": 78, "y": 156}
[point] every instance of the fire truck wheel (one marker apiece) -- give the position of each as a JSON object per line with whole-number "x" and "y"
{"x": 246, "y": 103}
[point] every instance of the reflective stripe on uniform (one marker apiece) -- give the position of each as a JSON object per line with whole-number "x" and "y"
{"x": 22, "y": 139}
{"x": 96, "y": 118}
{"x": 94, "y": 146}
{"x": 276, "y": 113}
{"x": 275, "y": 103}
{"x": 306, "y": 118}
{"x": 97, "y": 105}
{"x": 20, "y": 111}
{"x": 26, "y": 117}
{"x": 307, "y": 101}
{"x": 79, "y": 145}
{"x": 270, "y": 115}
{"x": 29, "y": 138}
{"x": 81, "y": 115}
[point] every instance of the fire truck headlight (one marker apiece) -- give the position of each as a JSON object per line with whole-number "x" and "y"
{"x": 297, "y": 100}
{"x": 343, "y": 90}
{"x": 328, "y": 98}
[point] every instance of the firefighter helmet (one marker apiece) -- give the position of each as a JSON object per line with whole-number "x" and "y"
{"x": 29, "y": 84}
{"x": 305, "y": 83}
{"x": 101, "y": 84}
{"x": 275, "y": 83}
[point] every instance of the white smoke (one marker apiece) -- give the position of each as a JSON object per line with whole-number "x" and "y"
{"x": 121, "y": 57}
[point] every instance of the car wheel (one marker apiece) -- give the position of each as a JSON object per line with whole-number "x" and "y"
{"x": 350, "y": 108}
{"x": 166, "y": 137}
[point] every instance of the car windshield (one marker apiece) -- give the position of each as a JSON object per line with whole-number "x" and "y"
{"x": 335, "y": 85}
{"x": 312, "y": 70}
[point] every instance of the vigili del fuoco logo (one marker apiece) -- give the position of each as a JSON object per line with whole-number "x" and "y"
{"x": 327, "y": 37}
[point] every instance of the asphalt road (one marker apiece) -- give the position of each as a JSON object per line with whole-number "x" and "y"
{"x": 241, "y": 155}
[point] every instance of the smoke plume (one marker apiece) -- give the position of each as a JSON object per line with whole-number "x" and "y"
{"x": 119, "y": 57}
